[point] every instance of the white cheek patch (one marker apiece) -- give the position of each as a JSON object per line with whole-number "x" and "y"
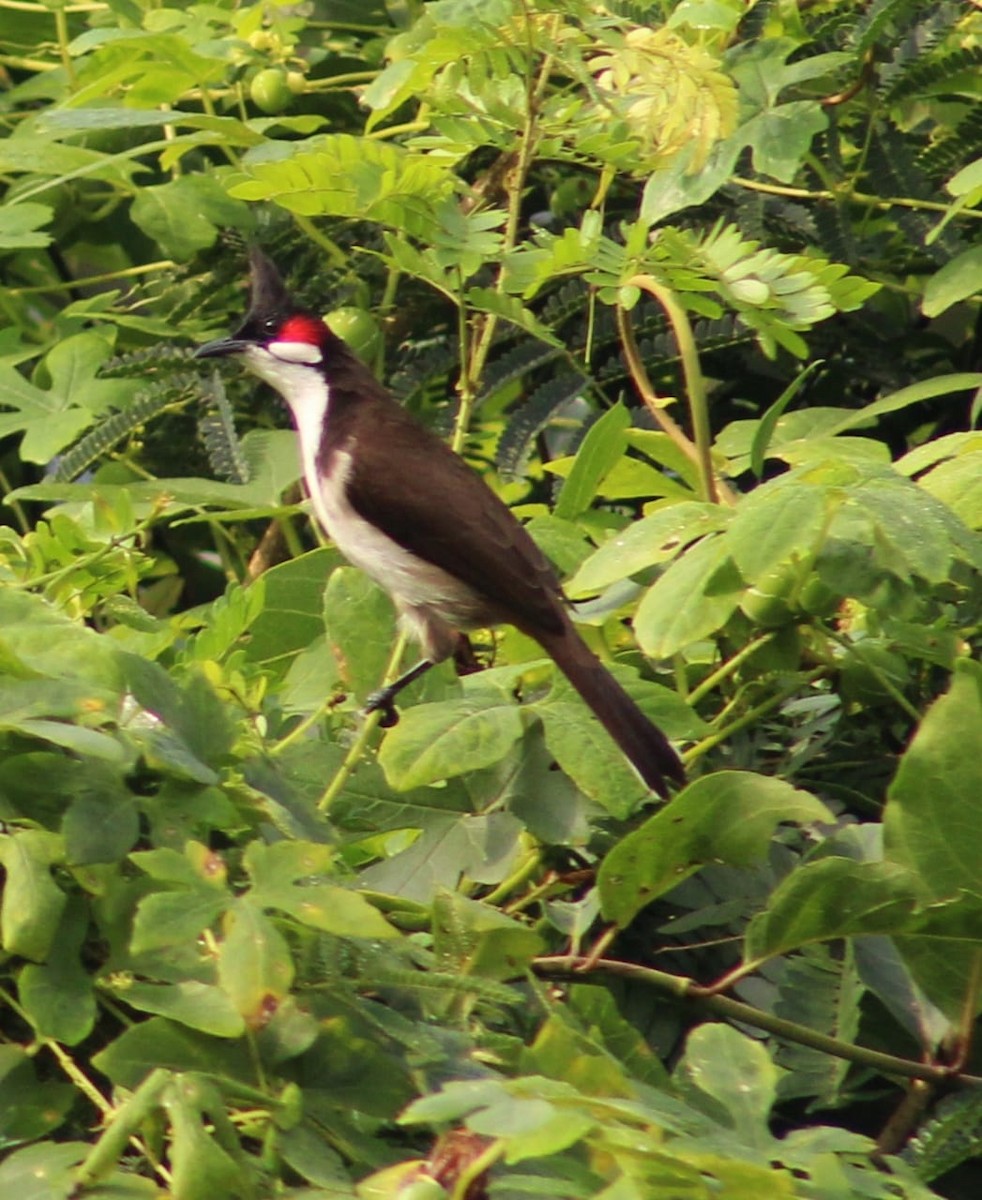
{"x": 295, "y": 352}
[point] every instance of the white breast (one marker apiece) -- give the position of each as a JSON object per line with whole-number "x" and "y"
{"x": 426, "y": 596}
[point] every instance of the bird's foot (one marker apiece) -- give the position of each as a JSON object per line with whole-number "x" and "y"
{"x": 383, "y": 702}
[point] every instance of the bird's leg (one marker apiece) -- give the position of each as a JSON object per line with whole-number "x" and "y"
{"x": 383, "y": 701}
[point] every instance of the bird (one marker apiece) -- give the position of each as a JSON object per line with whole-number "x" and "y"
{"x": 400, "y": 504}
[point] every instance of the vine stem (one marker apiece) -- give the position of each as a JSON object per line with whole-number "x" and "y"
{"x": 752, "y": 715}
{"x": 883, "y": 202}
{"x": 711, "y": 489}
{"x": 165, "y": 264}
{"x": 578, "y": 968}
{"x": 357, "y": 748}
{"x": 726, "y": 669}
{"x": 516, "y": 188}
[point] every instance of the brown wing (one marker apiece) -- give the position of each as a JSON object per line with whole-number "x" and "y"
{"x": 436, "y": 507}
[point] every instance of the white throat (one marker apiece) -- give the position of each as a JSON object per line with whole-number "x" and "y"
{"x": 307, "y": 396}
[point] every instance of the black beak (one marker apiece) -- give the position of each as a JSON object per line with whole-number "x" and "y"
{"x": 221, "y": 347}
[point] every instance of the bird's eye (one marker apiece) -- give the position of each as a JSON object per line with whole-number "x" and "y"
{"x": 270, "y": 325}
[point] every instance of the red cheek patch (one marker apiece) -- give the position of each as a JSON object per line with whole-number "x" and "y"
{"x": 302, "y": 329}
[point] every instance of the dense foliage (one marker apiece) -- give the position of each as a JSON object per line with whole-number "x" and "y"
{"x": 691, "y": 284}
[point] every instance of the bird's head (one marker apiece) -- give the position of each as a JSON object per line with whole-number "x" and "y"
{"x": 279, "y": 340}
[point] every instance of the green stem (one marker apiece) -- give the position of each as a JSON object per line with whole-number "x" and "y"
{"x": 163, "y": 264}
{"x": 726, "y": 669}
{"x": 122, "y": 1127}
{"x": 751, "y": 716}
{"x": 882, "y": 202}
{"x": 885, "y": 682}
{"x": 528, "y": 140}
{"x": 694, "y": 382}
{"x": 360, "y": 744}
{"x": 61, "y": 27}
{"x": 682, "y": 988}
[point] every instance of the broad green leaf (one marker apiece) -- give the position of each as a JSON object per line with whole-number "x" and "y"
{"x": 957, "y": 280}
{"x": 957, "y": 483}
{"x": 695, "y": 596}
{"x": 202, "y": 1168}
{"x": 776, "y": 524}
{"x": 587, "y": 753}
{"x": 29, "y": 1108}
{"x": 103, "y": 825}
{"x": 936, "y": 790}
{"x": 255, "y": 966}
{"x": 293, "y": 610}
{"x": 478, "y": 847}
{"x": 165, "y": 919}
{"x": 737, "y": 1073}
{"x": 57, "y": 995}
{"x": 831, "y": 898}
{"x": 728, "y": 817}
{"x": 184, "y": 216}
{"x": 925, "y": 389}
{"x": 45, "y": 1171}
{"x": 199, "y": 1006}
{"x": 288, "y": 876}
{"x": 780, "y": 137}
{"x": 32, "y": 902}
{"x": 360, "y": 624}
{"x": 437, "y": 741}
{"x": 21, "y": 226}
{"x": 645, "y": 543}
{"x": 942, "y": 950}
{"x": 158, "y": 1042}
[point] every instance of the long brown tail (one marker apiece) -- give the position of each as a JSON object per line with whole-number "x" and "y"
{"x": 642, "y": 741}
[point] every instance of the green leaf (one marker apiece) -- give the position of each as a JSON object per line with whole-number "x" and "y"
{"x": 711, "y": 585}
{"x": 475, "y": 939}
{"x": 159, "y": 1043}
{"x": 604, "y": 444}
{"x": 831, "y": 898}
{"x": 957, "y": 280}
{"x": 360, "y": 624}
{"x": 292, "y": 616}
{"x": 42, "y": 1172}
{"x": 255, "y": 966}
{"x": 438, "y": 741}
{"x": 728, "y": 817}
{"x": 780, "y": 137}
{"x": 737, "y": 1073}
{"x": 29, "y": 1108}
{"x": 202, "y": 1169}
{"x": 32, "y": 902}
{"x": 20, "y": 226}
{"x": 167, "y": 919}
{"x": 345, "y": 176}
{"x": 645, "y": 543}
{"x": 57, "y": 995}
{"x": 925, "y": 389}
{"x": 775, "y": 524}
{"x": 286, "y": 876}
{"x": 197, "y": 1005}
{"x": 184, "y": 216}
{"x": 936, "y": 790}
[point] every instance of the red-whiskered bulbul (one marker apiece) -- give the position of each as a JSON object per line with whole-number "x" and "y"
{"x": 407, "y": 510}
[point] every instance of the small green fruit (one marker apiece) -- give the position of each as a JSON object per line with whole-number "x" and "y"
{"x": 270, "y": 91}
{"x": 767, "y": 602}
{"x": 358, "y": 328}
